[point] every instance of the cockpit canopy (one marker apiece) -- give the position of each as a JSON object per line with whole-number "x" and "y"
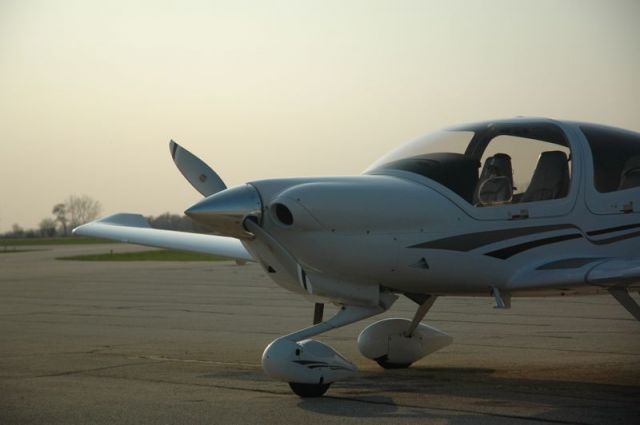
{"x": 521, "y": 161}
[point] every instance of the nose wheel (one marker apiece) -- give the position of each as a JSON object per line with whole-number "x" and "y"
{"x": 309, "y": 366}
{"x": 309, "y": 390}
{"x": 386, "y": 364}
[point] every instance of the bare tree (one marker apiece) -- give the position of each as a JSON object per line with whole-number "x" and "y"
{"x": 81, "y": 209}
{"x": 16, "y": 231}
{"x": 74, "y": 211}
{"x": 170, "y": 221}
{"x": 60, "y": 211}
{"x": 47, "y": 227}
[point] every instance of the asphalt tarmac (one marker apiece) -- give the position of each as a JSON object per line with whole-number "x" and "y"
{"x": 165, "y": 343}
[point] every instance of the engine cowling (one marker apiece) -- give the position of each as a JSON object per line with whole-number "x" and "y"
{"x": 305, "y": 362}
{"x": 386, "y": 342}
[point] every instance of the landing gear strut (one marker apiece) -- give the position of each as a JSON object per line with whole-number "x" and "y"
{"x": 386, "y": 364}
{"x": 318, "y": 311}
{"x": 309, "y": 366}
{"x": 398, "y": 343}
{"x": 425, "y": 303}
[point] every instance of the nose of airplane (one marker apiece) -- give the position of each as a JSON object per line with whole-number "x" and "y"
{"x": 225, "y": 212}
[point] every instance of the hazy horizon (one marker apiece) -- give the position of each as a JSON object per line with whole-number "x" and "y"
{"x": 93, "y": 91}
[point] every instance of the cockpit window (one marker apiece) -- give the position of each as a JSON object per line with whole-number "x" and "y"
{"x": 454, "y": 141}
{"x": 616, "y": 157}
{"x": 455, "y": 171}
{"x": 491, "y": 164}
{"x": 540, "y": 169}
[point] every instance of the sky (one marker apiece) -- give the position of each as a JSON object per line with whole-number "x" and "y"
{"x": 92, "y": 91}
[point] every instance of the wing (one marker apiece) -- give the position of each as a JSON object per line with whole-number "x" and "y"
{"x": 571, "y": 272}
{"x": 617, "y": 275}
{"x": 616, "y": 272}
{"x": 134, "y": 228}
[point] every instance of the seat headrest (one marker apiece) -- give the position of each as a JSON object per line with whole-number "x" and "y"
{"x": 631, "y": 163}
{"x": 550, "y": 179}
{"x": 553, "y": 159}
{"x": 498, "y": 165}
{"x": 630, "y": 176}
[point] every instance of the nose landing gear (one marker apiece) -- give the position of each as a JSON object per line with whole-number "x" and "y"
{"x": 309, "y": 390}
{"x": 309, "y": 366}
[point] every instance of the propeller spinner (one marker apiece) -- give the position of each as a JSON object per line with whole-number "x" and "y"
{"x": 225, "y": 212}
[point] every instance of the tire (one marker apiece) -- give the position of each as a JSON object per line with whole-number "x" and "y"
{"x": 309, "y": 390}
{"x": 387, "y": 365}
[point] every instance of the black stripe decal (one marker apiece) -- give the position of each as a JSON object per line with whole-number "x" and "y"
{"x": 612, "y": 229}
{"x": 614, "y": 239}
{"x": 310, "y": 362}
{"x": 510, "y": 251}
{"x": 470, "y": 241}
{"x": 507, "y": 252}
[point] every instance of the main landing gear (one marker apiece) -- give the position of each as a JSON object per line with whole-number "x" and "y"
{"x": 398, "y": 343}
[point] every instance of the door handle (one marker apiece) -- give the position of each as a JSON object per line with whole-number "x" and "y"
{"x": 627, "y": 208}
{"x": 517, "y": 215}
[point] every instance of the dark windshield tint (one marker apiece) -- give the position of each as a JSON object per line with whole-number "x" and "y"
{"x": 613, "y": 151}
{"x": 452, "y": 158}
{"x": 456, "y": 171}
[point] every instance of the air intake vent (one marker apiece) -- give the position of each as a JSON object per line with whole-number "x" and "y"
{"x": 283, "y": 214}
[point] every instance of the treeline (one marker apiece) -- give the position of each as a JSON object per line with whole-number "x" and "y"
{"x": 78, "y": 210}
{"x": 170, "y": 221}
{"x": 72, "y": 212}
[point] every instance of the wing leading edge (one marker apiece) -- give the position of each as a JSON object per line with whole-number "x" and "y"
{"x": 134, "y": 228}
{"x": 618, "y": 276}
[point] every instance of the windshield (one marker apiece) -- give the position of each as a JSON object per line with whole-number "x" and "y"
{"x": 438, "y": 156}
{"x": 441, "y": 141}
{"x": 522, "y": 161}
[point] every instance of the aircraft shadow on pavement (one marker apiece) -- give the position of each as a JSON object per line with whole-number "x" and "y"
{"x": 459, "y": 393}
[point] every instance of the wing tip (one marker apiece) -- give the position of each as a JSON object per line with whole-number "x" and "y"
{"x": 77, "y": 231}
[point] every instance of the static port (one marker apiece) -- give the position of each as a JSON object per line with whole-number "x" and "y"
{"x": 283, "y": 214}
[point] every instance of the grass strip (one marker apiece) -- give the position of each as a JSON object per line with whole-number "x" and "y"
{"x": 6, "y": 250}
{"x": 70, "y": 240}
{"x": 155, "y": 255}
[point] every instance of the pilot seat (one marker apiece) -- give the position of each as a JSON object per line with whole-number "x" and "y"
{"x": 550, "y": 179}
{"x": 495, "y": 185}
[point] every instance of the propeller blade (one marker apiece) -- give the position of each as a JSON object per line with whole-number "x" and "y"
{"x": 199, "y": 174}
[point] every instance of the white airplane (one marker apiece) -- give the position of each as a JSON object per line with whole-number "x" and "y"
{"x": 505, "y": 208}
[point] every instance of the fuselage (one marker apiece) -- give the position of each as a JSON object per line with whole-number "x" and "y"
{"x": 398, "y": 229}
{"x": 501, "y": 208}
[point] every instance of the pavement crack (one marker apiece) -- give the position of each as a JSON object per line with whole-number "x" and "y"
{"x": 530, "y": 348}
{"x": 86, "y": 371}
{"x": 467, "y": 411}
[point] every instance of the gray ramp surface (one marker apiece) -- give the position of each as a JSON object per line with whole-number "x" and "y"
{"x": 170, "y": 342}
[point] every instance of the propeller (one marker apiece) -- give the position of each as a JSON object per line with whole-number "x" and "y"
{"x": 235, "y": 212}
{"x": 200, "y": 175}
{"x": 226, "y": 212}
{"x": 285, "y": 259}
